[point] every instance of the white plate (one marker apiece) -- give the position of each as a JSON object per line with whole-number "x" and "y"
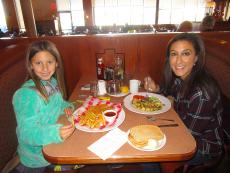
{"x": 164, "y": 100}
{"x": 160, "y": 144}
{"x": 118, "y": 122}
{"x": 118, "y": 95}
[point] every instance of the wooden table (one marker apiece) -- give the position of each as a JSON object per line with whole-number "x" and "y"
{"x": 180, "y": 144}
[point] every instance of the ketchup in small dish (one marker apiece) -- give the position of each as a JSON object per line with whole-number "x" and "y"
{"x": 110, "y": 115}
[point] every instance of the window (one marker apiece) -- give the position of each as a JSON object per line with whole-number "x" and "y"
{"x": 77, "y": 13}
{"x": 176, "y": 11}
{"x": 71, "y": 14}
{"x": 121, "y": 12}
{"x": 139, "y": 12}
{"x": 66, "y": 23}
{"x": 20, "y": 19}
{"x": 3, "y": 25}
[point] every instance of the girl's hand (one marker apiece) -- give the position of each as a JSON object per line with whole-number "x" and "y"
{"x": 68, "y": 111}
{"x": 150, "y": 85}
{"x": 69, "y": 114}
{"x": 66, "y": 131}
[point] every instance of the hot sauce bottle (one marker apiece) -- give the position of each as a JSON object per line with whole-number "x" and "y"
{"x": 100, "y": 68}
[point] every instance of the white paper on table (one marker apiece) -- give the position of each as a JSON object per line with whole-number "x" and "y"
{"x": 109, "y": 143}
{"x": 85, "y": 87}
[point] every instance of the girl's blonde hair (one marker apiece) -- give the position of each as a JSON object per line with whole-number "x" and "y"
{"x": 50, "y": 47}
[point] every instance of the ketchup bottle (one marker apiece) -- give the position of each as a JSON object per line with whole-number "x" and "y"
{"x": 100, "y": 68}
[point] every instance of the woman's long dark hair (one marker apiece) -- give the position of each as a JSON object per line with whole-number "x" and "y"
{"x": 50, "y": 47}
{"x": 198, "y": 76}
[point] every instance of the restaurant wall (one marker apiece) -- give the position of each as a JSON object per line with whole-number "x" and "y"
{"x": 10, "y": 14}
{"x": 44, "y": 10}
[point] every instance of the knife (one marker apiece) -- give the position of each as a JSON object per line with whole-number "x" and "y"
{"x": 168, "y": 125}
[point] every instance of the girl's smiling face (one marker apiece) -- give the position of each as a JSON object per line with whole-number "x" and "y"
{"x": 182, "y": 58}
{"x": 44, "y": 65}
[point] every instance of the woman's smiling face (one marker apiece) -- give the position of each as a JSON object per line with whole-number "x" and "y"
{"x": 182, "y": 58}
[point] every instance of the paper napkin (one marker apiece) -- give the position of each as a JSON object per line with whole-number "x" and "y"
{"x": 109, "y": 143}
{"x": 85, "y": 87}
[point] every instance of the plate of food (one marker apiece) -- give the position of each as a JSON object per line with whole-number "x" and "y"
{"x": 147, "y": 103}
{"x": 97, "y": 115}
{"x": 146, "y": 138}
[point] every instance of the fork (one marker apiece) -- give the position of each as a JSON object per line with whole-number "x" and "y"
{"x": 151, "y": 118}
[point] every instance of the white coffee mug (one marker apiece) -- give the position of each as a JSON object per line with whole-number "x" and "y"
{"x": 101, "y": 87}
{"x": 134, "y": 86}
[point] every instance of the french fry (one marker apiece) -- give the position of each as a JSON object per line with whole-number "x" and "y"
{"x": 93, "y": 117}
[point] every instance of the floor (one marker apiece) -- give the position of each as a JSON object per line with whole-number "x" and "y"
{"x": 134, "y": 168}
{"x": 126, "y": 168}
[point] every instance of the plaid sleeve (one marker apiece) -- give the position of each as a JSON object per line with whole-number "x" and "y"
{"x": 202, "y": 116}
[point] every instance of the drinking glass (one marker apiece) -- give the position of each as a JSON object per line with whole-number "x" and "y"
{"x": 93, "y": 89}
{"x": 147, "y": 83}
{"x": 113, "y": 87}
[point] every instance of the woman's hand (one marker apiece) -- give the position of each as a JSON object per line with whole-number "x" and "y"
{"x": 171, "y": 99}
{"x": 66, "y": 131}
{"x": 150, "y": 85}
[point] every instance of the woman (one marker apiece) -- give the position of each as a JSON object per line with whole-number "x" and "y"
{"x": 195, "y": 93}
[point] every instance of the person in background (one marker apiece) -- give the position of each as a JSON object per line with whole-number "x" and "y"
{"x": 207, "y": 23}
{"x": 195, "y": 93}
{"x": 185, "y": 26}
{"x": 38, "y": 104}
{"x": 2, "y": 34}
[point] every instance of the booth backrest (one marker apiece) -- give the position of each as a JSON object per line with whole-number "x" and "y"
{"x": 12, "y": 75}
{"x": 218, "y": 64}
{"x": 5, "y": 42}
{"x": 143, "y": 53}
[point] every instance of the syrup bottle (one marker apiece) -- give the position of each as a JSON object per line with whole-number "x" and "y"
{"x": 118, "y": 69}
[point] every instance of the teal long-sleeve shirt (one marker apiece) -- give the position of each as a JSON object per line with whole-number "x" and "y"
{"x": 37, "y": 121}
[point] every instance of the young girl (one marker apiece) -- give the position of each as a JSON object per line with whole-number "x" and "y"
{"x": 196, "y": 94}
{"x": 38, "y": 105}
